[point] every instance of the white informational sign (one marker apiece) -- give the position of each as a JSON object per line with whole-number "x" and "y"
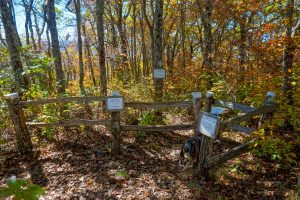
{"x": 208, "y": 124}
{"x": 219, "y": 110}
{"x": 196, "y": 95}
{"x": 115, "y": 103}
{"x": 159, "y": 74}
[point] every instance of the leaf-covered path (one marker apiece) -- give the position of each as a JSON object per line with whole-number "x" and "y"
{"x": 148, "y": 168}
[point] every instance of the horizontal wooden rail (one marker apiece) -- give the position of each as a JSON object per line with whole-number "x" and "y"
{"x": 239, "y": 128}
{"x": 62, "y": 100}
{"x": 158, "y": 105}
{"x": 157, "y": 127}
{"x": 269, "y": 108}
{"x": 223, "y": 157}
{"x": 72, "y": 122}
{"x": 234, "y": 106}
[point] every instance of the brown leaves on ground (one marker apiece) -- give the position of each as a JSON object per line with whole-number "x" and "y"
{"x": 147, "y": 169}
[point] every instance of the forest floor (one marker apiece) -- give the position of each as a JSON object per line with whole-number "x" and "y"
{"x": 78, "y": 166}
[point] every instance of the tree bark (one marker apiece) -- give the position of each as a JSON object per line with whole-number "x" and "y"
{"x": 88, "y": 54}
{"x": 158, "y": 47}
{"x": 51, "y": 20}
{"x": 100, "y": 29}
{"x": 17, "y": 117}
{"x": 287, "y": 62}
{"x": 242, "y": 48}
{"x": 79, "y": 44}
{"x": 183, "y": 34}
{"x": 13, "y": 43}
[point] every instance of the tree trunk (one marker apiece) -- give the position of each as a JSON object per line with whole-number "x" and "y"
{"x": 13, "y": 16}
{"x": 242, "y": 48}
{"x": 100, "y": 29}
{"x": 51, "y": 20}
{"x": 79, "y": 41}
{"x": 158, "y": 47}
{"x": 144, "y": 50}
{"x": 287, "y": 63}
{"x": 182, "y": 21}
{"x": 88, "y": 55}
{"x": 206, "y": 15}
{"x": 122, "y": 31}
{"x": 13, "y": 43}
{"x": 17, "y": 117}
{"x": 135, "y": 66}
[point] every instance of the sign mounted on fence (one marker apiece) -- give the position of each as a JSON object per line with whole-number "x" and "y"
{"x": 208, "y": 124}
{"x": 115, "y": 103}
{"x": 159, "y": 74}
{"x": 196, "y": 95}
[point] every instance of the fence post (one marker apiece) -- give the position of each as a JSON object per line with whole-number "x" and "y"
{"x": 17, "y": 117}
{"x": 115, "y": 132}
{"x": 197, "y": 105}
{"x": 115, "y": 129}
{"x": 206, "y": 142}
{"x": 270, "y": 98}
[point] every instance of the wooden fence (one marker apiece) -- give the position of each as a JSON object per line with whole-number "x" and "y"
{"x": 205, "y": 159}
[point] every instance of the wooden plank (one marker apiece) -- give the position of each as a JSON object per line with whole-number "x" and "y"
{"x": 62, "y": 100}
{"x": 238, "y": 119}
{"x": 223, "y": 157}
{"x": 234, "y": 106}
{"x": 157, "y": 127}
{"x": 72, "y": 122}
{"x": 239, "y": 128}
{"x": 158, "y": 105}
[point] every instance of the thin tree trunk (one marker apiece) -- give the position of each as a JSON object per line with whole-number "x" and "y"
{"x": 242, "y": 48}
{"x": 79, "y": 41}
{"x": 182, "y": 21}
{"x": 14, "y": 23}
{"x": 100, "y": 29}
{"x": 287, "y": 63}
{"x": 88, "y": 55}
{"x": 158, "y": 47}
{"x": 144, "y": 50}
{"x": 13, "y": 47}
{"x": 51, "y": 20}
{"x": 135, "y": 65}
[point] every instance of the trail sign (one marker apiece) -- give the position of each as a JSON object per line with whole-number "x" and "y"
{"x": 115, "y": 103}
{"x": 208, "y": 124}
{"x": 196, "y": 95}
{"x": 159, "y": 74}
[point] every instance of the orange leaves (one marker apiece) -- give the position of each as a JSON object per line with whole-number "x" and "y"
{"x": 268, "y": 27}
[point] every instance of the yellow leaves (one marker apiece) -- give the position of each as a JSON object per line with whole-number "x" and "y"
{"x": 290, "y": 70}
{"x": 293, "y": 84}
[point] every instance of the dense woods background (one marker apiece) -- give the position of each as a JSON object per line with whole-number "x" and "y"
{"x": 237, "y": 49}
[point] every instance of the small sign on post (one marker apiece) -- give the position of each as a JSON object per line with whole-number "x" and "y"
{"x": 208, "y": 124}
{"x": 196, "y": 95}
{"x": 159, "y": 74}
{"x": 115, "y": 103}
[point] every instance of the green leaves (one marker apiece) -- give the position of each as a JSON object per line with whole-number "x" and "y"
{"x": 2, "y": 140}
{"x": 21, "y": 189}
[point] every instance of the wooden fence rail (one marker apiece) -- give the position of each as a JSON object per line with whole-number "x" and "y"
{"x": 160, "y": 105}
{"x": 160, "y": 128}
{"x": 70, "y": 122}
{"x": 62, "y": 100}
{"x": 205, "y": 158}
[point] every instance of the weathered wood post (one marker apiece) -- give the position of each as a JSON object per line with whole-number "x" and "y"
{"x": 270, "y": 98}
{"x": 196, "y": 99}
{"x": 17, "y": 117}
{"x": 206, "y": 142}
{"x": 115, "y": 104}
{"x": 115, "y": 132}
